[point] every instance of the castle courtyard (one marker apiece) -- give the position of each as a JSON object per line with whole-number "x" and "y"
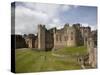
{"x": 32, "y": 60}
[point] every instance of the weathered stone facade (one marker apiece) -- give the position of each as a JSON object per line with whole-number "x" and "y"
{"x": 92, "y": 49}
{"x": 31, "y": 40}
{"x": 68, "y": 36}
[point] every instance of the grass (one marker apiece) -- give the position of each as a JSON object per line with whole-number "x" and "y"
{"x": 30, "y": 60}
{"x": 81, "y": 50}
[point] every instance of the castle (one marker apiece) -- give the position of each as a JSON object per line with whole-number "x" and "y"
{"x": 68, "y": 36}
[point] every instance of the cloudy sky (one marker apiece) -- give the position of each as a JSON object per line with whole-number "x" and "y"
{"x": 29, "y": 15}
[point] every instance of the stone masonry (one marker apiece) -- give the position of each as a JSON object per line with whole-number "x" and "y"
{"x": 68, "y": 36}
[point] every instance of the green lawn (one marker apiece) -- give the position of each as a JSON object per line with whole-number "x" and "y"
{"x": 80, "y": 50}
{"x": 30, "y": 60}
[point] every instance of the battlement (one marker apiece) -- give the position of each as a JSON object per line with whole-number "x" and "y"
{"x": 41, "y": 26}
{"x": 69, "y": 35}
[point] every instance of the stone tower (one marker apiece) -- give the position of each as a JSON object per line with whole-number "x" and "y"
{"x": 92, "y": 48}
{"x": 64, "y": 37}
{"x": 41, "y": 37}
{"x": 92, "y": 52}
{"x": 54, "y": 36}
{"x": 71, "y": 37}
{"x": 30, "y": 40}
{"x": 86, "y": 34}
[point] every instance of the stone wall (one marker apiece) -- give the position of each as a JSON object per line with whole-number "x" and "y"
{"x": 30, "y": 40}
{"x": 92, "y": 49}
{"x": 67, "y": 36}
{"x": 85, "y": 31}
{"x": 71, "y": 33}
{"x": 49, "y": 39}
{"x": 54, "y": 38}
{"x": 20, "y": 41}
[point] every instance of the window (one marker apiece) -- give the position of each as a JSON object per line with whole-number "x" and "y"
{"x": 71, "y": 37}
{"x": 88, "y": 42}
{"x": 65, "y": 38}
{"x": 71, "y": 33}
{"x": 85, "y": 31}
{"x": 80, "y": 37}
{"x": 56, "y": 37}
{"x": 60, "y": 38}
{"x": 85, "y": 39}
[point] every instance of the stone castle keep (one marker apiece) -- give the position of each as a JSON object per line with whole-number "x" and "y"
{"x": 59, "y": 38}
{"x": 68, "y": 36}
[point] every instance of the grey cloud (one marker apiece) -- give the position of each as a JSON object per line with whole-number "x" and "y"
{"x": 29, "y": 15}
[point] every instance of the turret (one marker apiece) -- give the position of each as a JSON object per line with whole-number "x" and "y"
{"x": 66, "y": 25}
{"x": 77, "y": 25}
